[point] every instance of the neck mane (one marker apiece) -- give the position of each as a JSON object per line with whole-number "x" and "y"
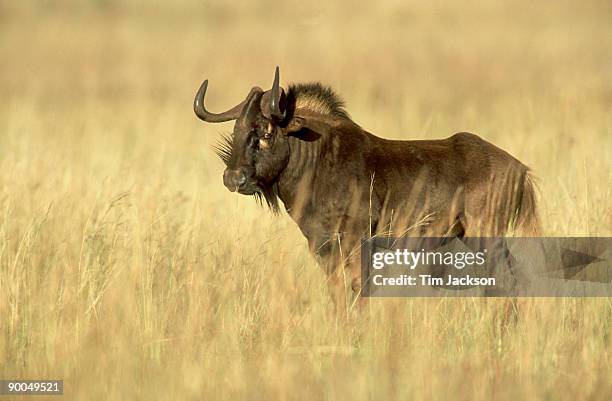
{"x": 315, "y": 98}
{"x": 306, "y": 148}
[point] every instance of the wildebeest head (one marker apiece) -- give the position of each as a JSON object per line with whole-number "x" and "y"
{"x": 257, "y": 151}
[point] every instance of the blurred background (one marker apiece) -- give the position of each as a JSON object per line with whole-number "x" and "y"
{"x": 127, "y": 268}
{"x": 533, "y": 77}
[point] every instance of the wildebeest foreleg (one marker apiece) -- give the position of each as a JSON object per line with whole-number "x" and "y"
{"x": 339, "y": 259}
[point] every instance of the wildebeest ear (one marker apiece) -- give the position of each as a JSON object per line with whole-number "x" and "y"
{"x": 295, "y": 124}
{"x": 299, "y": 122}
{"x": 304, "y": 129}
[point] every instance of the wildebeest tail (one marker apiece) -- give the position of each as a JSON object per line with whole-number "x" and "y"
{"x": 527, "y": 222}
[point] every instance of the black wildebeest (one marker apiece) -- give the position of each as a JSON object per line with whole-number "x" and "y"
{"x": 340, "y": 183}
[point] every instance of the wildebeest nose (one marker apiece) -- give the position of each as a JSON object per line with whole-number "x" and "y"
{"x": 233, "y": 179}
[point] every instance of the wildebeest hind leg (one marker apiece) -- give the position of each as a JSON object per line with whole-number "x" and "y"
{"x": 456, "y": 229}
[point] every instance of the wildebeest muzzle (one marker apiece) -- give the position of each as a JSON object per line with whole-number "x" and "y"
{"x": 234, "y": 179}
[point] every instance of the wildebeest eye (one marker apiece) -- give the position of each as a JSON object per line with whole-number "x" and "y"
{"x": 267, "y": 135}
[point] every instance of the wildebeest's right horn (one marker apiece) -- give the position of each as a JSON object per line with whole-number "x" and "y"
{"x": 277, "y": 95}
{"x": 205, "y": 115}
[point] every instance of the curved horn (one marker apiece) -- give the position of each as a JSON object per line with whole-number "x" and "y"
{"x": 205, "y": 115}
{"x": 276, "y": 95}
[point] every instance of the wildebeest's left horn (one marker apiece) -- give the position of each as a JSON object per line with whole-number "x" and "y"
{"x": 277, "y": 99}
{"x": 205, "y": 115}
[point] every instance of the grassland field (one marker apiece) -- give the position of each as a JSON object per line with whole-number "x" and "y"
{"x": 130, "y": 272}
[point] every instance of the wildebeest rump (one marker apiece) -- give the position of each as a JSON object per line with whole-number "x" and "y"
{"x": 340, "y": 183}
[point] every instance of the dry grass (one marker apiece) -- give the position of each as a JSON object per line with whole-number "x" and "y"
{"x": 129, "y": 271}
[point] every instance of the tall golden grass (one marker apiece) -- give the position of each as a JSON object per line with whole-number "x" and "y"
{"x": 128, "y": 271}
